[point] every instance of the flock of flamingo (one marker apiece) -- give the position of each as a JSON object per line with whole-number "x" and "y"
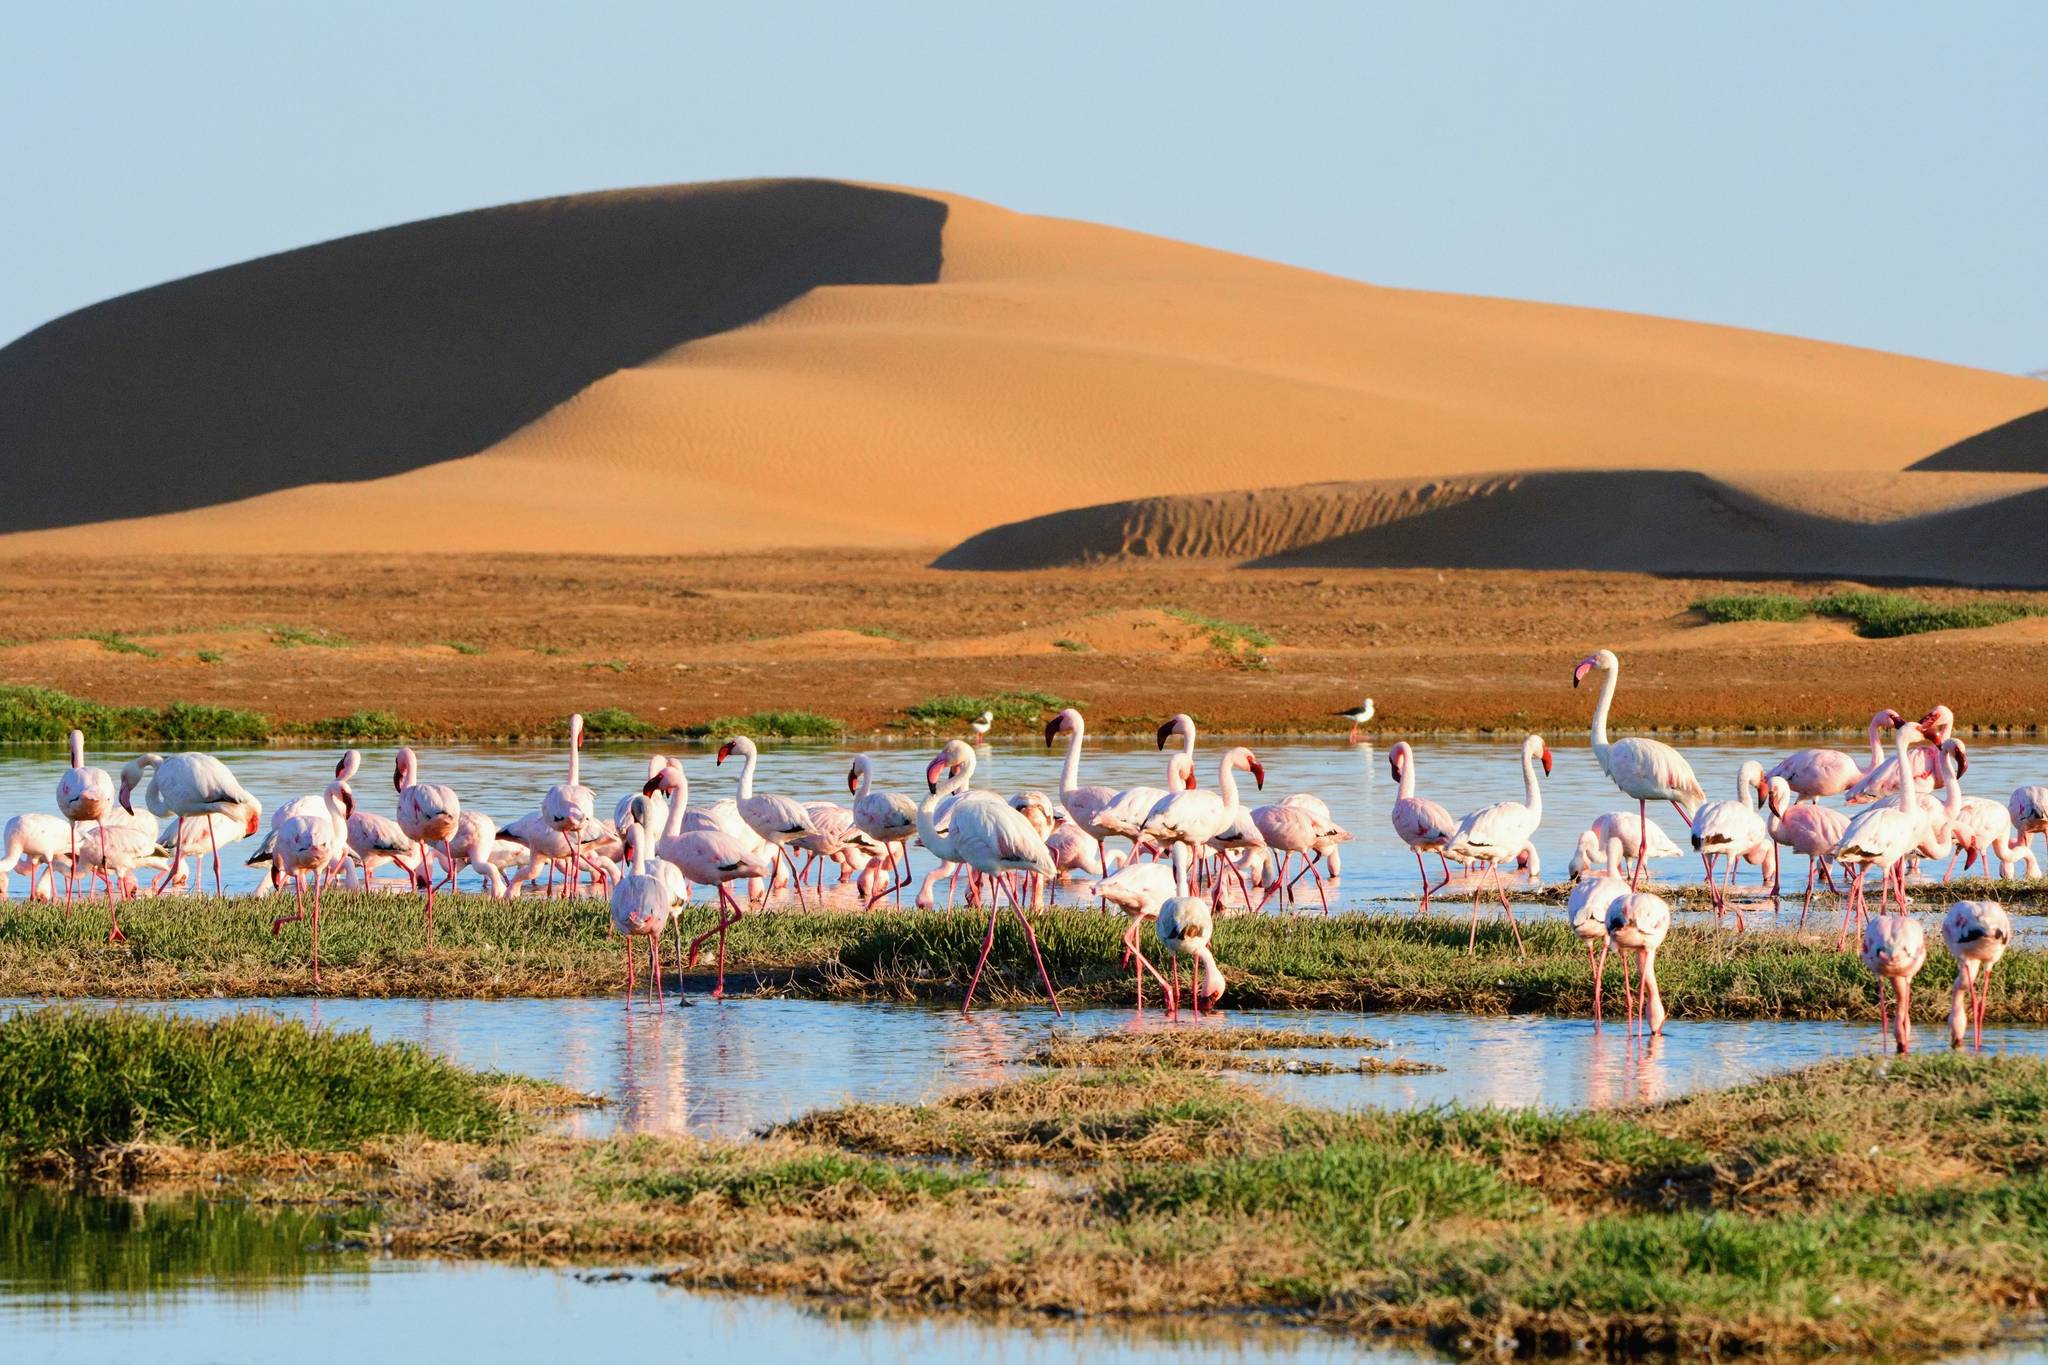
{"x": 1189, "y": 847}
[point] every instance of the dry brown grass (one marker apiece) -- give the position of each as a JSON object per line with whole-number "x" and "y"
{"x": 1220, "y": 1050}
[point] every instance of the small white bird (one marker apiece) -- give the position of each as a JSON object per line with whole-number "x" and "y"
{"x": 980, "y": 725}
{"x": 1357, "y": 715}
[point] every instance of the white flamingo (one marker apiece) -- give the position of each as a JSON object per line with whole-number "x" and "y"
{"x": 1498, "y": 833}
{"x": 889, "y": 818}
{"x": 429, "y": 813}
{"x": 1881, "y": 836}
{"x": 1977, "y": 934}
{"x": 569, "y": 808}
{"x": 1187, "y": 927}
{"x": 1895, "y": 949}
{"x": 777, "y": 819}
{"x": 641, "y": 908}
{"x": 995, "y": 840}
{"x": 1642, "y": 768}
{"x": 1195, "y": 817}
{"x": 1586, "y": 910}
{"x": 1638, "y": 924}
{"x": 83, "y": 794}
{"x": 1422, "y": 824}
{"x": 190, "y": 786}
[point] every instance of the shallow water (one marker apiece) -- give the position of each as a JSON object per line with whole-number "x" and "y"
{"x": 86, "y": 1278}
{"x": 727, "y": 1069}
{"x": 1463, "y": 774}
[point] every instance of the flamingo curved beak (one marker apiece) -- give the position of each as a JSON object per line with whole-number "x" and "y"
{"x": 1893, "y": 718}
{"x": 1394, "y": 766}
{"x": 1586, "y": 665}
{"x": 1962, "y": 759}
{"x": 853, "y": 779}
{"x": 653, "y": 785}
{"x": 1257, "y": 770}
{"x": 1546, "y": 760}
{"x": 724, "y": 751}
{"x": 932, "y": 770}
{"x": 1165, "y": 733}
{"x": 127, "y": 792}
{"x": 254, "y": 823}
{"x": 397, "y": 776}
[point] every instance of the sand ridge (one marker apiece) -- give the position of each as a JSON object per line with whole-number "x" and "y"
{"x": 1051, "y": 365}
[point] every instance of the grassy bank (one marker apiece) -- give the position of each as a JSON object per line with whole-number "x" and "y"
{"x": 376, "y": 946}
{"x": 1895, "y": 1207}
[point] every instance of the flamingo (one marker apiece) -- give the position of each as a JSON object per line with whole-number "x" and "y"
{"x": 309, "y": 835}
{"x": 194, "y": 840}
{"x": 1616, "y": 837}
{"x": 1083, "y": 803}
{"x": 1195, "y": 817}
{"x": 995, "y": 841}
{"x": 1357, "y": 715}
{"x": 1419, "y": 822}
{"x": 190, "y": 786}
{"x": 1292, "y": 828}
{"x": 641, "y": 905}
{"x": 568, "y": 808}
{"x": 474, "y": 845}
{"x": 38, "y": 840}
{"x": 1977, "y": 934}
{"x": 1979, "y": 826}
{"x": 1642, "y": 768}
{"x": 1806, "y": 828}
{"x": 115, "y": 851}
{"x": 1139, "y": 889}
{"x": 655, "y": 801}
{"x": 1074, "y": 850}
{"x": 1814, "y": 773}
{"x": 1883, "y": 780}
{"x": 980, "y": 725}
{"x": 777, "y": 819}
{"x": 1729, "y": 829}
{"x": 1638, "y": 923}
{"x": 708, "y": 855}
{"x": 889, "y": 818}
{"x": 947, "y": 776}
{"x": 1586, "y": 910}
{"x": 428, "y": 812}
{"x": 1895, "y": 949}
{"x": 83, "y": 794}
{"x": 1186, "y": 927}
{"x": 1498, "y": 833}
{"x": 1881, "y": 836}
{"x": 2028, "y": 807}
{"x": 374, "y": 839}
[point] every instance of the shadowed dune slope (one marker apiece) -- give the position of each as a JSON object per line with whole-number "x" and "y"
{"x": 1053, "y": 365}
{"x": 2018, "y": 446}
{"x": 1655, "y": 521}
{"x": 377, "y": 354}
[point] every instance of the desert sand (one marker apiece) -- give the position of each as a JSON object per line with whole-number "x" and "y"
{"x": 810, "y": 364}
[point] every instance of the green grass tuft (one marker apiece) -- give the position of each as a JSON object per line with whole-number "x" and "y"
{"x": 1230, "y": 637}
{"x": 771, "y": 725}
{"x": 463, "y": 647}
{"x": 1074, "y": 646}
{"x": 293, "y": 637}
{"x": 45, "y": 715}
{"x": 377, "y": 727}
{"x": 1885, "y": 615}
{"x": 1012, "y": 707}
{"x": 76, "y": 1081}
{"x": 1754, "y": 606}
{"x": 116, "y": 643}
{"x": 613, "y": 722}
{"x": 210, "y": 656}
{"x": 797, "y": 1182}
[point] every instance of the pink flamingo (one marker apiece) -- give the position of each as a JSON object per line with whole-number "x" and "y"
{"x": 1187, "y": 927}
{"x": 1498, "y": 833}
{"x": 1977, "y": 934}
{"x": 1642, "y": 768}
{"x": 889, "y": 818}
{"x": 1419, "y": 822}
{"x": 428, "y": 812}
{"x": 1806, "y": 828}
{"x": 1291, "y": 829}
{"x": 83, "y": 794}
{"x": 1586, "y": 910}
{"x": 191, "y": 786}
{"x": 374, "y": 839}
{"x": 1083, "y": 803}
{"x": 1195, "y": 817}
{"x": 1139, "y": 889}
{"x": 995, "y": 841}
{"x": 1980, "y": 828}
{"x": 1729, "y": 829}
{"x": 568, "y": 808}
{"x": 310, "y": 838}
{"x": 641, "y": 907}
{"x": 1617, "y": 837}
{"x": 1882, "y": 836}
{"x": 1883, "y": 780}
{"x": 2028, "y": 807}
{"x": 1638, "y": 924}
{"x": 39, "y": 841}
{"x": 776, "y": 819}
{"x": 1895, "y": 949}
{"x": 474, "y": 845}
{"x": 1814, "y": 773}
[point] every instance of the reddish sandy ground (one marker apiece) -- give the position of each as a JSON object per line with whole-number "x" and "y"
{"x": 861, "y": 635}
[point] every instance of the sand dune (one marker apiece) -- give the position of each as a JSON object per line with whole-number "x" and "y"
{"x": 1654, "y": 521}
{"x": 766, "y": 364}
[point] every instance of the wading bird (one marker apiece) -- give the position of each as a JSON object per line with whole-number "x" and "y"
{"x": 1642, "y": 768}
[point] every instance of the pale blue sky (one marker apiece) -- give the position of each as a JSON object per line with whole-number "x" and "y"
{"x": 1868, "y": 173}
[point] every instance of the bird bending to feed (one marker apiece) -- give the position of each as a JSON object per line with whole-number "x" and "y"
{"x": 1814, "y": 773}
{"x": 1881, "y": 836}
{"x": 641, "y": 907}
{"x": 1421, "y": 823}
{"x": 1731, "y": 830}
{"x": 1616, "y": 838}
{"x": 1498, "y": 833}
{"x": 2028, "y": 807}
{"x": 310, "y": 834}
{"x": 1592, "y": 896}
{"x": 1806, "y": 828}
{"x": 1977, "y": 934}
{"x": 39, "y": 841}
{"x": 1895, "y": 949}
{"x": 430, "y": 813}
{"x": 1883, "y": 780}
{"x": 1357, "y": 715}
{"x": 1139, "y": 889}
{"x": 1637, "y": 924}
{"x": 83, "y": 794}
{"x": 190, "y": 786}
{"x": 889, "y": 818}
{"x": 980, "y": 725}
{"x": 1642, "y": 768}
{"x": 569, "y": 808}
{"x": 777, "y": 819}
{"x": 1186, "y": 926}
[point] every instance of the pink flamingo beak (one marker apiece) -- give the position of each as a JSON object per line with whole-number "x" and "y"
{"x": 724, "y": 751}
{"x": 1257, "y": 770}
{"x": 1546, "y": 760}
{"x": 255, "y": 822}
{"x": 1586, "y": 665}
{"x": 932, "y": 771}
{"x": 853, "y": 779}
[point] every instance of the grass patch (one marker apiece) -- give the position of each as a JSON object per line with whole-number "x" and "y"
{"x": 615, "y": 665}
{"x": 115, "y": 643}
{"x": 31, "y": 715}
{"x": 878, "y": 633}
{"x": 1229, "y": 637}
{"x": 612, "y": 722}
{"x": 1016, "y": 708}
{"x": 210, "y": 656}
{"x": 374, "y": 727}
{"x": 1219, "y": 1050}
{"x": 796, "y": 1183}
{"x": 305, "y": 637}
{"x": 74, "y": 1082}
{"x": 1074, "y": 646}
{"x": 464, "y": 647}
{"x": 1885, "y": 615}
{"x": 1754, "y": 606}
{"x": 771, "y": 725}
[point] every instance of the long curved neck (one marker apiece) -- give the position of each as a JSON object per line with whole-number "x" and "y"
{"x": 1407, "y": 790}
{"x": 1952, "y": 783}
{"x": 1226, "y": 783}
{"x": 1532, "y": 793}
{"x": 575, "y": 760}
{"x": 1070, "y": 772}
{"x": 1187, "y": 741}
{"x": 677, "y": 801}
{"x": 1876, "y": 749}
{"x": 1608, "y": 679}
{"x": 1180, "y": 869}
{"x": 336, "y": 805}
{"x": 77, "y": 749}
{"x": 1909, "y": 790}
{"x": 746, "y": 789}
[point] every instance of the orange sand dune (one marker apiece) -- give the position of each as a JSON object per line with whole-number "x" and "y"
{"x": 1052, "y": 365}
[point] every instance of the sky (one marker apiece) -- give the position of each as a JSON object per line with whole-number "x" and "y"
{"x": 1874, "y": 173}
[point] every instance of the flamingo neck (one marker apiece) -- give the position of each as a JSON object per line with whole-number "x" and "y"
{"x": 1180, "y": 869}
{"x": 1226, "y": 782}
{"x": 1187, "y": 742}
{"x": 1406, "y": 791}
{"x": 867, "y": 778}
{"x": 1609, "y": 678}
{"x": 1909, "y": 790}
{"x": 1952, "y": 785}
{"x": 575, "y": 760}
{"x": 1876, "y": 749}
{"x": 77, "y": 749}
{"x": 746, "y": 788}
{"x": 677, "y": 801}
{"x": 1533, "y": 794}
{"x": 1070, "y": 772}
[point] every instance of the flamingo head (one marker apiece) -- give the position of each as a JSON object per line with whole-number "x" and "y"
{"x": 1955, "y": 749}
{"x": 252, "y": 823}
{"x": 934, "y": 770}
{"x": 1180, "y": 723}
{"x": 725, "y": 751}
{"x": 1066, "y": 722}
{"x": 1546, "y": 760}
{"x": 853, "y": 778}
{"x": 345, "y": 768}
{"x": 576, "y": 731}
{"x": 1892, "y": 719}
{"x": 1165, "y": 733}
{"x": 1602, "y": 659}
{"x": 663, "y": 781}
{"x": 1397, "y": 759}
{"x": 402, "y": 771}
{"x": 1939, "y": 722}
{"x": 1255, "y": 768}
